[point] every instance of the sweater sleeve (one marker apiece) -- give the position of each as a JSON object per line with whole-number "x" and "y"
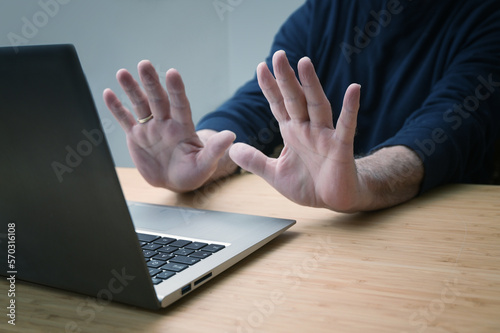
{"x": 455, "y": 129}
{"x": 247, "y": 112}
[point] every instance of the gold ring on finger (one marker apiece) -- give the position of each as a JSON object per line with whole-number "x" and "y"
{"x": 145, "y": 120}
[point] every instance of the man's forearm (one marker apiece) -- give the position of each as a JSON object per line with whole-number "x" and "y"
{"x": 389, "y": 177}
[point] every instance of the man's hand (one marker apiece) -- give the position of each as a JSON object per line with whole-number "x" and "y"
{"x": 317, "y": 166}
{"x": 166, "y": 149}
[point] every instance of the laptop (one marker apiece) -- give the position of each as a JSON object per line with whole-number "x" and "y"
{"x": 64, "y": 221}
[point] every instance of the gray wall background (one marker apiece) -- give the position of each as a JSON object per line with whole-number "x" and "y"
{"x": 215, "y": 44}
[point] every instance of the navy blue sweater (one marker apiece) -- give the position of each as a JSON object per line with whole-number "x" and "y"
{"x": 430, "y": 76}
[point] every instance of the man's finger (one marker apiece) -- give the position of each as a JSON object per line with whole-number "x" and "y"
{"x": 290, "y": 88}
{"x": 253, "y": 160}
{"x": 134, "y": 92}
{"x": 159, "y": 103}
{"x": 179, "y": 104}
{"x": 346, "y": 124}
{"x": 271, "y": 91}
{"x": 121, "y": 114}
{"x": 318, "y": 106}
{"x": 216, "y": 146}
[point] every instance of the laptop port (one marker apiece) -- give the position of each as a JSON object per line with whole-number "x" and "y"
{"x": 186, "y": 289}
{"x": 200, "y": 280}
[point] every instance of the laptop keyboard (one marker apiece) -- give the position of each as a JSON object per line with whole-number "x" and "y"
{"x": 167, "y": 256}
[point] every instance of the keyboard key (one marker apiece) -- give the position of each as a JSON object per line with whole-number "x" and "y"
{"x": 200, "y": 254}
{"x": 151, "y": 247}
{"x": 213, "y": 247}
{"x": 163, "y": 256}
{"x": 167, "y": 249}
{"x": 195, "y": 245}
{"x": 165, "y": 275}
{"x": 156, "y": 280}
{"x": 154, "y": 271}
{"x": 148, "y": 253}
{"x": 183, "y": 252}
{"x": 184, "y": 260}
{"x": 155, "y": 263}
{"x": 180, "y": 243}
{"x": 165, "y": 240}
{"x": 171, "y": 266}
{"x": 146, "y": 237}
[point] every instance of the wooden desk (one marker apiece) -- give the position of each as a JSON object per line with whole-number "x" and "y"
{"x": 431, "y": 265}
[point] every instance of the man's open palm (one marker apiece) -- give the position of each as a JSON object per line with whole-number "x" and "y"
{"x": 166, "y": 149}
{"x": 316, "y": 167}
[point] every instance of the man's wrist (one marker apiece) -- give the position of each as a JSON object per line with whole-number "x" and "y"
{"x": 388, "y": 177}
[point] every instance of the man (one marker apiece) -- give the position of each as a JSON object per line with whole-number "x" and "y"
{"x": 428, "y": 115}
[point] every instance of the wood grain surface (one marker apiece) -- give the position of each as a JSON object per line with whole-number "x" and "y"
{"x": 430, "y": 265}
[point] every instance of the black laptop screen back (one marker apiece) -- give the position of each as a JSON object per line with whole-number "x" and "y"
{"x": 58, "y": 184}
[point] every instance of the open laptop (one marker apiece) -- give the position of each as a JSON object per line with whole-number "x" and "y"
{"x": 64, "y": 221}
